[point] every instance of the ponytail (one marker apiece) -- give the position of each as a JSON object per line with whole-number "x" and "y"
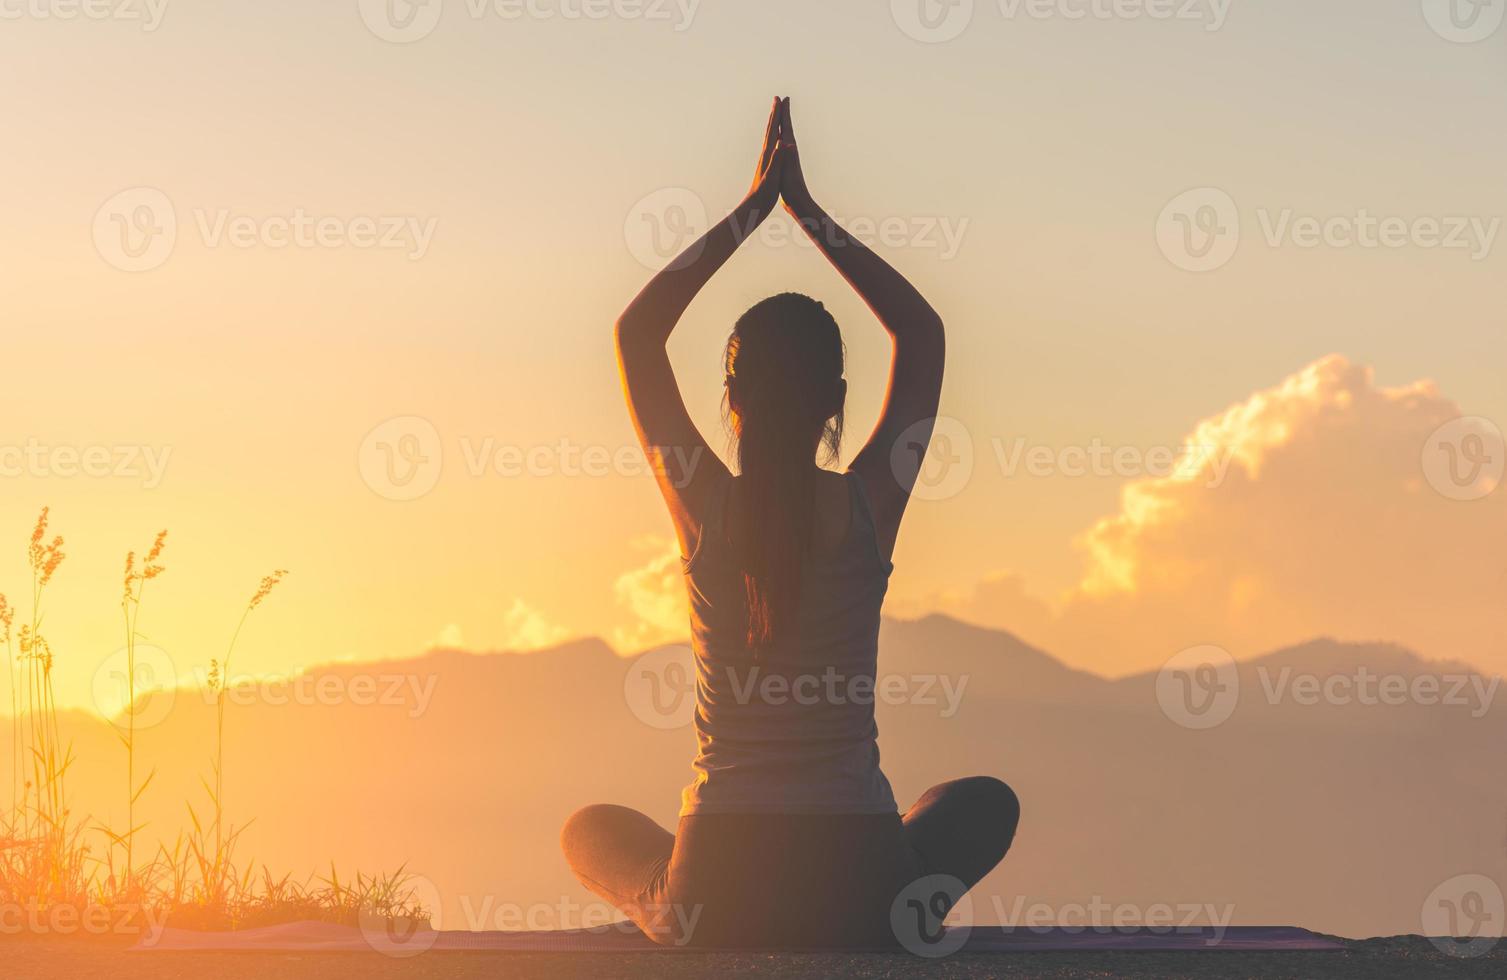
{"x": 783, "y": 363}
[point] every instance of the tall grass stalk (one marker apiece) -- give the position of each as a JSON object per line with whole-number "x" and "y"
{"x": 220, "y": 680}
{"x": 42, "y": 817}
{"x": 134, "y": 587}
{"x": 7, "y": 619}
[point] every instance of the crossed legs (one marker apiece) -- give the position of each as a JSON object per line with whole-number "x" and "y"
{"x": 961, "y": 829}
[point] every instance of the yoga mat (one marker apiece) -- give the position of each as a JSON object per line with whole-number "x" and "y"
{"x": 326, "y": 937}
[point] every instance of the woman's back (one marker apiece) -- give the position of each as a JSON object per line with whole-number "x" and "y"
{"x": 790, "y": 729}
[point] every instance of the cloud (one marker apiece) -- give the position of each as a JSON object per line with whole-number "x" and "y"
{"x": 524, "y": 628}
{"x": 654, "y": 593}
{"x": 1334, "y": 518}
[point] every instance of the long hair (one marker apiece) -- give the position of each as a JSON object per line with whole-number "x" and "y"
{"x": 785, "y": 393}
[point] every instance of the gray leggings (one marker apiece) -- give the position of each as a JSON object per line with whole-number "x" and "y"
{"x": 790, "y": 881}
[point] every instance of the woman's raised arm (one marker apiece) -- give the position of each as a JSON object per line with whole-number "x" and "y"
{"x": 681, "y": 459}
{"x": 915, "y": 383}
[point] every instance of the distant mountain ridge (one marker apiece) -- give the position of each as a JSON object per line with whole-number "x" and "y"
{"x": 1339, "y": 817}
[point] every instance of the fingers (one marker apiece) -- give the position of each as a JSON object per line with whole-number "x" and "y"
{"x": 788, "y": 151}
{"x": 771, "y": 135}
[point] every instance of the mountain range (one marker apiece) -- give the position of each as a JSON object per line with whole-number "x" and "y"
{"x": 1345, "y": 812}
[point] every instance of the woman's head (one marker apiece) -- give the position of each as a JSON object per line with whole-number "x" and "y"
{"x": 783, "y": 365}
{"x": 785, "y": 397}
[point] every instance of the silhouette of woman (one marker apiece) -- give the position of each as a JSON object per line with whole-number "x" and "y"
{"x": 789, "y": 836}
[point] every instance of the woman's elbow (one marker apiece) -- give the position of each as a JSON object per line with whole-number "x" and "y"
{"x": 920, "y": 328}
{"x": 626, "y": 331}
{"x": 632, "y": 338}
{"x": 927, "y": 336}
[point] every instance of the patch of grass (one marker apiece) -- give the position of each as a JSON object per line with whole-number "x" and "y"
{"x": 48, "y": 864}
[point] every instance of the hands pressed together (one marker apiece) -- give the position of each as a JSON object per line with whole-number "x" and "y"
{"x": 778, "y": 175}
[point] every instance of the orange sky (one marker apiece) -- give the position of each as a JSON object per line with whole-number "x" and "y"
{"x": 1020, "y": 173}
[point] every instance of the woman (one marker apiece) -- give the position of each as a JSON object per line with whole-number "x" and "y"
{"x": 789, "y": 835}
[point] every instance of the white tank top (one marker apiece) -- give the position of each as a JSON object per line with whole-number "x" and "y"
{"x": 792, "y": 729}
